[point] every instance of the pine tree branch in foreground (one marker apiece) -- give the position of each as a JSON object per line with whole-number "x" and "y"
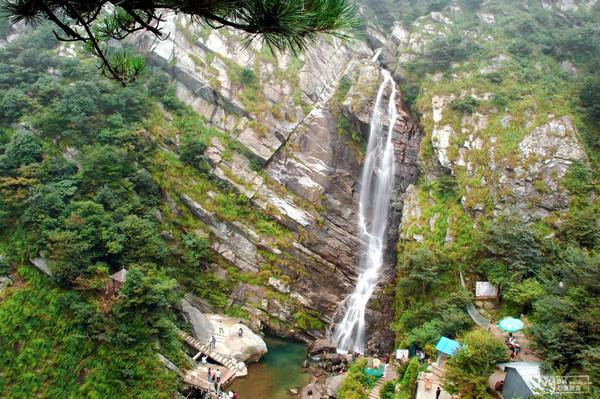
{"x": 281, "y": 24}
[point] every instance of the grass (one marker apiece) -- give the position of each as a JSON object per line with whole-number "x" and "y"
{"x": 48, "y": 351}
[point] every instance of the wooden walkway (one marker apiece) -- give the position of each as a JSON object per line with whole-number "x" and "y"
{"x": 198, "y": 378}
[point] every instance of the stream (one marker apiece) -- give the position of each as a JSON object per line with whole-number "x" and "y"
{"x": 277, "y": 372}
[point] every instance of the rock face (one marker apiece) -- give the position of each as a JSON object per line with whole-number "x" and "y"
{"x": 332, "y": 384}
{"x": 310, "y": 167}
{"x": 247, "y": 348}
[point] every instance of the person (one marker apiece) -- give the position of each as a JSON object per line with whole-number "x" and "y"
{"x": 213, "y": 342}
{"x": 204, "y": 360}
{"x": 309, "y": 393}
{"x": 438, "y": 392}
{"x": 221, "y": 331}
{"x": 209, "y": 374}
{"x": 218, "y": 375}
{"x": 235, "y": 395}
{"x": 240, "y": 332}
{"x": 230, "y": 394}
{"x": 499, "y": 385}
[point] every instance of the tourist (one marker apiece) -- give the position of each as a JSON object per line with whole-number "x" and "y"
{"x": 204, "y": 360}
{"x": 235, "y": 395}
{"x": 209, "y": 374}
{"x": 230, "y": 395}
{"x": 213, "y": 342}
{"x": 221, "y": 331}
{"x": 240, "y": 332}
{"x": 218, "y": 375}
{"x": 309, "y": 393}
{"x": 438, "y": 392}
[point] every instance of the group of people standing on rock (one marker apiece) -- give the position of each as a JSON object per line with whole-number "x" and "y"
{"x": 214, "y": 381}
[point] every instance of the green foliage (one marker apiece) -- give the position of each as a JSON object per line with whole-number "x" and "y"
{"x": 292, "y": 24}
{"x": 54, "y": 344}
{"x": 578, "y": 179}
{"x": 445, "y": 50}
{"x": 197, "y": 249}
{"x": 24, "y": 148}
{"x": 566, "y": 317}
{"x": 514, "y": 252}
{"x": 468, "y": 370}
{"x": 147, "y": 292}
{"x": 590, "y": 97}
{"x": 191, "y": 152}
{"x": 14, "y": 104}
{"x": 357, "y": 383}
{"x": 466, "y": 105}
{"x": 388, "y": 390}
{"x": 408, "y": 383}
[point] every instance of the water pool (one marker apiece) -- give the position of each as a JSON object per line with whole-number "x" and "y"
{"x": 277, "y": 372}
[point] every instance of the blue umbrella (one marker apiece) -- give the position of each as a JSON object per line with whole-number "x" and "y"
{"x": 510, "y": 324}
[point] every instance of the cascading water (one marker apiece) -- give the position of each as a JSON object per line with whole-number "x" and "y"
{"x": 377, "y": 183}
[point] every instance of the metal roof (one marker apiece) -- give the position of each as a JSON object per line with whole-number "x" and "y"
{"x": 447, "y": 346}
{"x": 531, "y": 374}
{"x": 120, "y": 276}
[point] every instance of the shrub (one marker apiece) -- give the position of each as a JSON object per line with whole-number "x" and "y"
{"x": 468, "y": 370}
{"x": 466, "y": 105}
{"x": 357, "y": 384}
{"x": 388, "y": 390}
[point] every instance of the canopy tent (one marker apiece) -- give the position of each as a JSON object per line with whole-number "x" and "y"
{"x": 447, "y": 346}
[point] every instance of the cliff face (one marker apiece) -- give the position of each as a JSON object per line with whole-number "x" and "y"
{"x": 304, "y": 120}
{"x": 298, "y": 125}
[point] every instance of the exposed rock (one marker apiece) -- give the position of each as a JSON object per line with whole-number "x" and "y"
{"x": 332, "y": 384}
{"x": 248, "y": 348}
{"x": 568, "y": 67}
{"x": 279, "y": 285}
{"x": 169, "y": 364}
{"x": 5, "y": 282}
{"x": 320, "y": 346}
{"x": 440, "y": 139}
{"x": 42, "y": 265}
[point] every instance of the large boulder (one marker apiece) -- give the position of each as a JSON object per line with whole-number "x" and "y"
{"x": 333, "y": 383}
{"x": 320, "y": 346}
{"x": 248, "y": 348}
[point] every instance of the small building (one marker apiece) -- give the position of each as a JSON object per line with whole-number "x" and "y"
{"x": 116, "y": 281}
{"x": 523, "y": 380}
{"x": 446, "y": 347}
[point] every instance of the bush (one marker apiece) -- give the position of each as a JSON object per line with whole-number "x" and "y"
{"x": 408, "y": 382}
{"x": 357, "y": 384}
{"x": 466, "y": 105}
{"x": 468, "y": 370}
{"x": 192, "y": 152}
{"x": 443, "y": 51}
{"x": 388, "y": 390}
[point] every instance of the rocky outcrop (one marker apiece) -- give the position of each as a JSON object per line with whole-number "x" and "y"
{"x": 287, "y": 119}
{"x": 246, "y": 348}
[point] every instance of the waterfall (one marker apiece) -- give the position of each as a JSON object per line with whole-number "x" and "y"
{"x": 377, "y": 183}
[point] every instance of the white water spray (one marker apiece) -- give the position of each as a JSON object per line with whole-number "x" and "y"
{"x": 377, "y": 183}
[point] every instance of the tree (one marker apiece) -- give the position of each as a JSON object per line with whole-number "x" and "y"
{"x": 13, "y": 104}
{"x": 284, "y": 24}
{"x": 467, "y": 372}
{"x": 24, "y": 148}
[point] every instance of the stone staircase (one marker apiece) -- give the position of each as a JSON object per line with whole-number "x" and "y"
{"x": 390, "y": 375}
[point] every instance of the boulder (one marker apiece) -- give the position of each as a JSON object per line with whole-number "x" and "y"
{"x": 332, "y": 384}
{"x": 248, "y": 348}
{"x": 42, "y": 265}
{"x": 5, "y": 282}
{"x": 321, "y": 346}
